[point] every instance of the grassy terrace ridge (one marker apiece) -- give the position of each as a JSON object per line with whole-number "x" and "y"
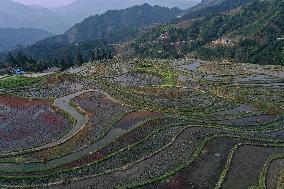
{"x": 71, "y": 119}
{"x": 262, "y": 178}
{"x": 227, "y": 166}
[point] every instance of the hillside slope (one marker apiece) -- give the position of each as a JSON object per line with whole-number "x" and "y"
{"x": 251, "y": 33}
{"x": 81, "y": 9}
{"x": 114, "y": 25}
{"x": 97, "y": 31}
{"x": 208, "y": 7}
{"x": 11, "y": 38}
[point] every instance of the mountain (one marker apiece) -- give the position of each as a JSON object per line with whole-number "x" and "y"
{"x": 114, "y": 24}
{"x": 16, "y": 15}
{"x": 252, "y": 32}
{"x": 207, "y": 7}
{"x": 58, "y": 20}
{"x": 81, "y": 9}
{"x": 205, "y": 4}
{"x": 96, "y": 32}
{"x": 181, "y": 4}
{"x": 10, "y": 38}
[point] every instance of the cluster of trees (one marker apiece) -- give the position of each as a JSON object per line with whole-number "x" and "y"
{"x": 254, "y": 30}
{"x": 27, "y": 63}
{"x": 24, "y": 62}
{"x": 80, "y": 58}
{"x": 46, "y": 54}
{"x": 247, "y": 50}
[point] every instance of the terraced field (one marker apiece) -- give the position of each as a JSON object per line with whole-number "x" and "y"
{"x": 145, "y": 124}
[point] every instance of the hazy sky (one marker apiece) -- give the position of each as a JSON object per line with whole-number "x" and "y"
{"x": 45, "y": 3}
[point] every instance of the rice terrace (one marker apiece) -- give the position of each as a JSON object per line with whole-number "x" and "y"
{"x": 142, "y": 94}
{"x": 184, "y": 124}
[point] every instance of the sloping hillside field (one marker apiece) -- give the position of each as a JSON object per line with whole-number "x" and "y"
{"x": 144, "y": 124}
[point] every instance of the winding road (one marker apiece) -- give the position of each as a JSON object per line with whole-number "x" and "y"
{"x": 63, "y": 104}
{"x": 81, "y": 121}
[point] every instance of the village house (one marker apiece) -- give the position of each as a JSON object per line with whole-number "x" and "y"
{"x": 164, "y": 36}
{"x": 223, "y": 41}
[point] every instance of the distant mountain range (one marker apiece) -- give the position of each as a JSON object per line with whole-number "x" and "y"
{"x": 38, "y": 20}
{"x": 207, "y": 7}
{"x": 10, "y": 38}
{"x": 16, "y": 15}
{"x": 115, "y": 25}
{"x": 205, "y": 4}
{"x": 112, "y": 27}
{"x": 81, "y": 9}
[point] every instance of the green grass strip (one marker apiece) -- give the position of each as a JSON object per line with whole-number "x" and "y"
{"x": 227, "y": 166}
{"x": 263, "y": 174}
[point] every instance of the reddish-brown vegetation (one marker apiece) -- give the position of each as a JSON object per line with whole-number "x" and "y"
{"x": 20, "y": 102}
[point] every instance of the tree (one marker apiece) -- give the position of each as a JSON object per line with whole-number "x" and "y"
{"x": 63, "y": 64}
{"x": 54, "y": 62}
{"x": 92, "y": 56}
{"x": 79, "y": 58}
{"x": 98, "y": 55}
{"x": 11, "y": 60}
{"x": 103, "y": 54}
{"x": 109, "y": 55}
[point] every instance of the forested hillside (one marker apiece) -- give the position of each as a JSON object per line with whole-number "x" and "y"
{"x": 11, "y": 37}
{"x": 96, "y": 33}
{"x": 118, "y": 25}
{"x": 250, "y": 33}
{"x": 63, "y": 56}
{"x": 209, "y": 7}
{"x": 80, "y": 9}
